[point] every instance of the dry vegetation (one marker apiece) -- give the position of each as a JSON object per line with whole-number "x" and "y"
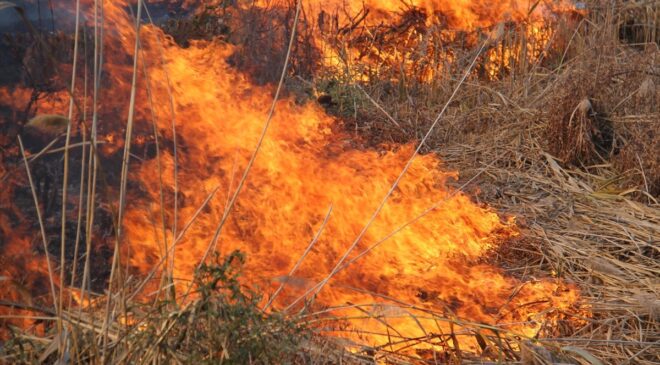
{"x": 571, "y": 149}
{"x": 568, "y": 145}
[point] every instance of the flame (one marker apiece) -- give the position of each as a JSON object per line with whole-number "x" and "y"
{"x": 462, "y": 14}
{"x": 302, "y": 169}
{"x": 306, "y": 165}
{"x": 23, "y": 281}
{"x": 422, "y": 36}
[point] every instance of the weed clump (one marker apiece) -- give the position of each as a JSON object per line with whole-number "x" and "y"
{"x": 226, "y": 323}
{"x": 223, "y": 324}
{"x": 578, "y": 130}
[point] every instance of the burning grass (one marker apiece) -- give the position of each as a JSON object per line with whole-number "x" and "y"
{"x": 556, "y": 131}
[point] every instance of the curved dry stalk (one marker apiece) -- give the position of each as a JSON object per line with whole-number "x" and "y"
{"x": 159, "y": 167}
{"x": 124, "y": 177}
{"x": 174, "y": 244}
{"x": 420, "y": 216}
{"x": 399, "y": 229}
{"x": 168, "y": 87}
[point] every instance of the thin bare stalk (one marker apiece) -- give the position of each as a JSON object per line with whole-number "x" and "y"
{"x": 420, "y": 216}
{"x": 168, "y": 86}
{"x": 389, "y": 117}
{"x": 161, "y": 191}
{"x": 81, "y": 196}
{"x": 65, "y": 179}
{"x": 124, "y": 178}
{"x": 83, "y": 166}
{"x": 41, "y": 225}
{"x": 174, "y": 244}
{"x": 93, "y": 161}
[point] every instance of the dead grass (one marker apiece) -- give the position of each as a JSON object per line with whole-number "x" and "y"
{"x": 571, "y": 150}
{"x": 605, "y": 242}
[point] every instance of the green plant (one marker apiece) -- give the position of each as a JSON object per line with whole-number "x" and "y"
{"x": 225, "y": 324}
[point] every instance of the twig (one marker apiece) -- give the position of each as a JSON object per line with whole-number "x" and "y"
{"x": 44, "y": 240}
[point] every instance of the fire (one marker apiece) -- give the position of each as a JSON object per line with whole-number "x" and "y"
{"x": 419, "y": 39}
{"x": 21, "y": 273}
{"x": 463, "y": 14}
{"x": 302, "y": 169}
{"x": 430, "y": 241}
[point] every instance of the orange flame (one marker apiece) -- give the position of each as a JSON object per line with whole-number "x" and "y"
{"x": 422, "y": 51}
{"x": 306, "y": 165}
{"x": 462, "y": 14}
{"x": 302, "y": 169}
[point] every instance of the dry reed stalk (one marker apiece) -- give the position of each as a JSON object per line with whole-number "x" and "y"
{"x": 65, "y": 181}
{"x": 168, "y": 277}
{"x": 123, "y": 181}
{"x": 300, "y": 260}
{"x": 172, "y": 247}
{"x": 44, "y": 238}
{"x": 168, "y": 87}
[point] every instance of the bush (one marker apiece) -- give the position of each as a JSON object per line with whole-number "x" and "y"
{"x": 223, "y": 324}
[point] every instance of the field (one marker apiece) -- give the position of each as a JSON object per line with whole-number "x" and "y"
{"x": 396, "y": 182}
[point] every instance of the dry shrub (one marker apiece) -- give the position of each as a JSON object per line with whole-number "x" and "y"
{"x": 209, "y": 23}
{"x": 263, "y": 33}
{"x": 29, "y": 61}
{"x": 579, "y": 133}
{"x": 602, "y": 108}
{"x": 639, "y": 24}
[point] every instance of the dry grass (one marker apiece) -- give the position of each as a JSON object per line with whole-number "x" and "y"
{"x": 605, "y": 242}
{"x": 572, "y": 151}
